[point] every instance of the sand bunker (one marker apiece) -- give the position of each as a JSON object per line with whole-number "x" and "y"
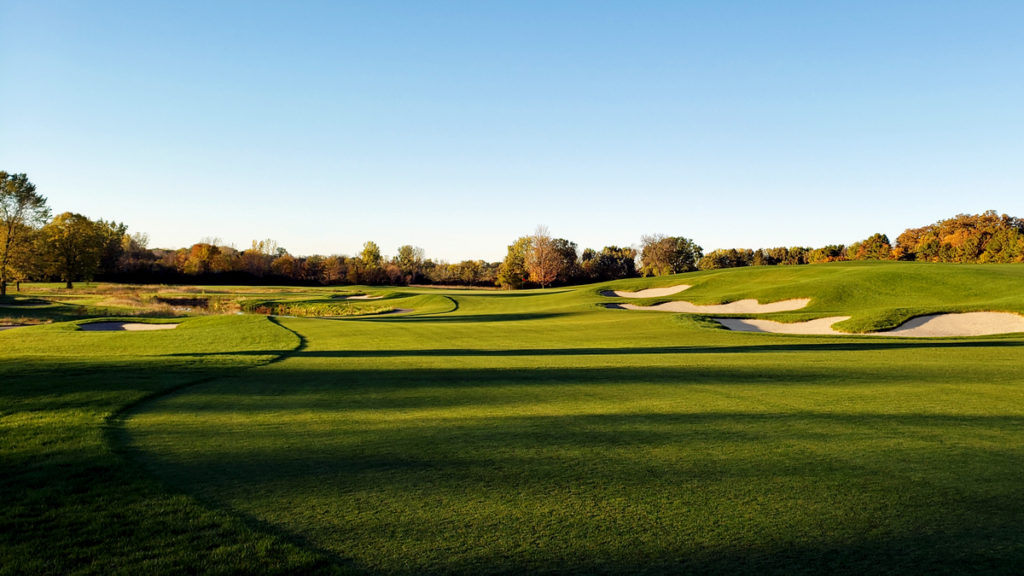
{"x": 363, "y": 297}
{"x": 965, "y": 324}
{"x": 124, "y": 326}
{"x": 819, "y": 326}
{"x": 931, "y": 326}
{"x": 749, "y": 306}
{"x": 648, "y": 293}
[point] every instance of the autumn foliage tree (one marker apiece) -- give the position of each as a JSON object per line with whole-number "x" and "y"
{"x": 22, "y": 210}
{"x": 986, "y": 237}
{"x": 200, "y": 259}
{"x": 874, "y": 247}
{"x": 73, "y": 246}
{"x": 544, "y": 261}
{"x": 830, "y": 253}
{"x": 256, "y": 260}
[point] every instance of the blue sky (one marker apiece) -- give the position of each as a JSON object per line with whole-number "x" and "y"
{"x": 459, "y": 126}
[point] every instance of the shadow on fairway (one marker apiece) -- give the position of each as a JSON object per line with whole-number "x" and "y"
{"x": 461, "y": 319}
{"x": 594, "y": 502}
{"x": 635, "y": 350}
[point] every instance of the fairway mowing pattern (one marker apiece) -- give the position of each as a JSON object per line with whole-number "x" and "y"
{"x": 539, "y": 432}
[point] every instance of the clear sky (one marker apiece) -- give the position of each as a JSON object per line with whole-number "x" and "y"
{"x": 459, "y": 126}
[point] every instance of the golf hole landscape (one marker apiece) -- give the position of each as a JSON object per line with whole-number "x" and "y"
{"x": 534, "y": 431}
{"x": 505, "y": 288}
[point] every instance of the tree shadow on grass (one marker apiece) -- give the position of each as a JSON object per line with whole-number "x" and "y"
{"x": 924, "y": 506}
{"x": 638, "y": 350}
{"x": 449, "y": 318}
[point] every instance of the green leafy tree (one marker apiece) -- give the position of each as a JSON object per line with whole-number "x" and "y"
{"x": 74, "y": 246}
{"x": 830, "y": 253}
{"x": 22, "y": 210}
{"x": 610, "y": 263}
{"x": 986, "y": 237}
{"x": 410, "y": 261}
{"x": 25, "y": 264}
{"x": 726, "y": 258}
{"x": 663, "y": 255}
{"x": 568, "y": 256}
{"x": 113, "y": 246}
{"x": 371, "y": 255}
{"x": 512, "y": 273}
{"x": 1006, "y": 245}
{"x": 470, "y": 272}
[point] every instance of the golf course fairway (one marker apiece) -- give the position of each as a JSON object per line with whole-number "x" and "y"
{"x": 541, "y": 432}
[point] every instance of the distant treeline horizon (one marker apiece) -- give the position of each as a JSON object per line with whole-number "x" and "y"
{"x": 71, "y": 247}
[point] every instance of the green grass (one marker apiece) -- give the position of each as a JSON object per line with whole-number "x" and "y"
{"x": 877, "y": 295}
{"x": 73, "y": 502}
{"x": 338, "y": 306}
{"x": 536, "y": 431}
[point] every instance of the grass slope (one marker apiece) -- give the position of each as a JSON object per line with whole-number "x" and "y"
{"x": 878, "y": 295}
{"x": 540, "y": 432}
{"x": 73, "y": 503}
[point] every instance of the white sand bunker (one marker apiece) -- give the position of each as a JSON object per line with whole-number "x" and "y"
{"x": 819, "y": 326}
{"x": 363, "y": 297}
{"x": 931, "y": 326}
{"x": 748, "y": 306}
{"x": 965, "y": 324}
{"x": 124, "y": 326}
{"x": 648, "y": 293}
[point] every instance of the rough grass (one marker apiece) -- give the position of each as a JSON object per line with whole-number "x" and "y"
{"x": 534, "y": 431}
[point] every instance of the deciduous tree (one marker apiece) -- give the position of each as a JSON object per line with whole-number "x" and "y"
{"x": 726, "y": 258}
{"x": 74, "y": 245}
{"x": 875, "y": 247}
{"x": 569, "y": 263}
{"x": 663, "y": 255}
{"x": 256, "y": 260}
{"x": 543, "y": 261}
{"x": 371, "y": 255}
{"x": 22, "y": 210}
{"x": 200, "y": 259}
{"x": 512, "y": 273}
{"x": 410, "y": 261}
{"x": 610, "y": 263}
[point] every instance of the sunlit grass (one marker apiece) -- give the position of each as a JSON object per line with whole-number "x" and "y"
{"x": 535, "y": 431}
{"x": 543, "y": 433}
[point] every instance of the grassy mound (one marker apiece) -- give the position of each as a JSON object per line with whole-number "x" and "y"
{"x": 877, "y": 295}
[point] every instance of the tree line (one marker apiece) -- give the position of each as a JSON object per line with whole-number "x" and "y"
{"x": 965, "y": 238}
{"x": 72, "y": 247}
